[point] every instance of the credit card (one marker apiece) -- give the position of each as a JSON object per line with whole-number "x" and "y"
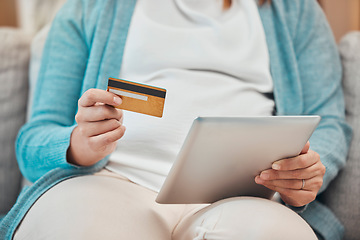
{"x": 137, "y": 97}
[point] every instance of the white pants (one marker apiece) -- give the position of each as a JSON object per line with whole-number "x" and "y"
{"x": 108, "y": 206}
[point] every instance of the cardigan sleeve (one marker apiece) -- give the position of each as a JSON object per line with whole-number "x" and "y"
{"x": 42, "y": 143}
{"x": 321, "y": 74}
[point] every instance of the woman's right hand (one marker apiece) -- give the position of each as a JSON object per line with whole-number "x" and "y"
{"x": 99, "y": 127}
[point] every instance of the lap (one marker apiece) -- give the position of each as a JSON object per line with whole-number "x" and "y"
{"x": 105, "y": 207}
{"x": 98, "y": 207}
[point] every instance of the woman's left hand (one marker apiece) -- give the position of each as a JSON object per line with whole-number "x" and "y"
{"x": 297, "y": 179}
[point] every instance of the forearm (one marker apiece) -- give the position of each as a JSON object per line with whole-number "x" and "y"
{"x": 331, "y": 141}
{"x": 41, "y": 147}
{"x": 320, "y": 72}
{"x": 43, "y": 142}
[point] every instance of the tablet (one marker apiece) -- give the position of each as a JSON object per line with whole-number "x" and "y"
{"x": 222, "y": 155}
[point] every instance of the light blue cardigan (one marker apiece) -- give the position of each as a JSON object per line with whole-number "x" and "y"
{"x": 85, "y": 47}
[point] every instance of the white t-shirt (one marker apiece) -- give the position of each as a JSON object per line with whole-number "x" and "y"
{"x": 213, "y": 62}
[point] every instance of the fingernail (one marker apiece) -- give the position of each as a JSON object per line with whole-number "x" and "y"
{"x": 117, "y": 101}
{"x": 258, "y": 180}
{"x": 276, "y": 166}
{"x": 265, "y": 175}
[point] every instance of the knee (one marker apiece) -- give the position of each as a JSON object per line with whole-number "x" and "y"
{"x": 250, "y": 218}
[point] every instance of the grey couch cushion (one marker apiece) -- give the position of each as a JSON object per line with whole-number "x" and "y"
{"x": 14, "y": 55}
{"x": 343, "y": 195}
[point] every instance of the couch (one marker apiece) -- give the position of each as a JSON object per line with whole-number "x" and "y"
{"x": 343, "y": 195}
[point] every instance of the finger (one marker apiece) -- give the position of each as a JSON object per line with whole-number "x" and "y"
{"x": 306, "y": 148}
{"x": 299, "y": 162}
{"x": 93, "y": 96}
{"x": 293, "y": 197}
{"x": 121, "y": 120}
{"x": 288, "y": 183}
{"x": 98, "y": 113}
{"x": 286, "y": 191}
{"x": 315, "y": 170}
{"x": 100, "y": 142}
{"x": 90, "y": 129}
{"x": 295, "y": 184}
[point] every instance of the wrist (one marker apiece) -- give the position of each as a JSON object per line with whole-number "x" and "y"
{"x": 78, "y": 153}
{"x": 298, "y": 209}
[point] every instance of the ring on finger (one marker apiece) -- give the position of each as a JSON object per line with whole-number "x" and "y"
{"x": 303, "y": 184}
